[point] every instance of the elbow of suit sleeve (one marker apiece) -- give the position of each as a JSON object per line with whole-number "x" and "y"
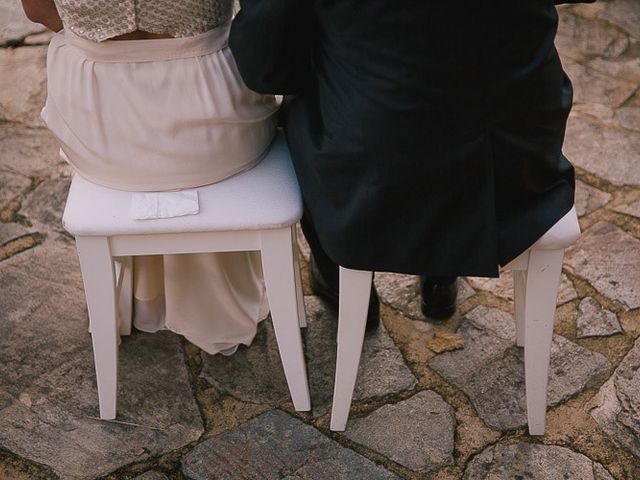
{"x": 263, "y": 73}
{"x": 271, "y": 47}
{"x": 253, "y": 77}
{"x": 282, "y": 83}
{"x": 256, "y": 77}
{"x": 251, "y": 70}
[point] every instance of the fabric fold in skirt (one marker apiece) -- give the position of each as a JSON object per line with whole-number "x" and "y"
{"x": 151, "y": 115}
{"x": 215, "y": 300}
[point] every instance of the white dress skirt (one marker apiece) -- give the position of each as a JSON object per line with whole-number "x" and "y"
{"x": 158, "y": 115}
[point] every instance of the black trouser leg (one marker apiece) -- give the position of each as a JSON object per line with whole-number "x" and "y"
{"x": 430, "y": 281}
{"x": 326, "y": 267}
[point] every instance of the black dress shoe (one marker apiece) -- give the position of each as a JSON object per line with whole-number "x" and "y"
{"x": 438, "y": 296}
{"x": 327, "y": 290}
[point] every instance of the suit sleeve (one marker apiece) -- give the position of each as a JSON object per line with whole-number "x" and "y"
{"x": 271, "y": 43}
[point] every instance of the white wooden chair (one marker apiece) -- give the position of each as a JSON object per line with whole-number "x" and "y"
{"x": 536, "y": 279}
{"x": 253, "y": 211}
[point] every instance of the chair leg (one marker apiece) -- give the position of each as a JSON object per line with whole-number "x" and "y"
{"x": 355, "y": 288}
{"x": 98, "y": 276}
{"x": 519, "y": 298}
{"x": 125, "y": 294}
{"x": 542, "y": 280}
{"x": 302, "y": 316}
{"x": 279, "y": 276}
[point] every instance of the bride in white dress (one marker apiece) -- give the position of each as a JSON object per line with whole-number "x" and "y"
{"x": 144, "y": 95}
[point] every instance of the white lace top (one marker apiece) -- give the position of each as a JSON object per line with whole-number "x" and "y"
{"x": 100, "y": 20}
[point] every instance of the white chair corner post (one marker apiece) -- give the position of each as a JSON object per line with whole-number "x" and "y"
{"x": 254, "y": 211}
{"x": 98, "y": 275}
{"x": 353, "y": 304}
{"x": 536, "y": 278}
{"x": 536, "y": 274}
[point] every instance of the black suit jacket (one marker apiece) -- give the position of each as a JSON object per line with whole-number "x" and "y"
{"x": 426, "y": 135}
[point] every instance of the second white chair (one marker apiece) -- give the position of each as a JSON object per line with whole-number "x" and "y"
{"x": 536, "y": 279}
{"x": 253, "y": 211}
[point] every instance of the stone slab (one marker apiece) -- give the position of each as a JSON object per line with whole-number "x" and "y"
{"x": 627, "y": 68}
{"x": 592, "y": 86}
{"x": 48, "y": 395}
{"x": 251, "y": 374}
{"x": 255, "y": 374}
{"x": 611, "y": 154}
{"x": 490, "y": 368}
{"x": 14, "y": 25}
{"x": 632, "y": 209}
{"x": 29, "y": 152}
{"x": 416, "y": 433}
{"x": 9, "y": 231}
{"x": 635, "y": 100}
{"x": 45, "y": 204}
{"x": 402, "y": 292}
{"x": 618, "y": 410}
{"x": 566, "y": 291}
{"x": 11, "y": 186}
{"x": 595, "y": 321}
{"x": 503, "y": 287}
{"x": 602, "y": 115}
{"x": 629, "y": 117}
{"x": 23, "y": 84}
{"x": 586, "y": 10}
{"x": 582, "y": 37}
{"x": 275, "y": 446}
{"x": 625, "y": 14}
{"x": 608, "y": 258}
{"x": 532, "y": 461}
{"x": 589, "y": 199}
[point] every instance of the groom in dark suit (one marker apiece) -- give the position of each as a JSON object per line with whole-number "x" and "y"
{"x": 426, "y": 135}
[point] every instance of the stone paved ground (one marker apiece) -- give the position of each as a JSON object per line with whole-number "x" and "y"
{"x": 418, "y": 413}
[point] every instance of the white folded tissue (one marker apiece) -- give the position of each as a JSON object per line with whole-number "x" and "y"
{"x": 149, "y": 205}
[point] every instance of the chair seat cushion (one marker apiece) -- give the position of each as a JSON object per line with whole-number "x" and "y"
{"x": 563, "y": 234}
{"x": 267, "y": 196}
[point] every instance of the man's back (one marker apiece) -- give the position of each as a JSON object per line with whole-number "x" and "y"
{"x": 399, "y": 129}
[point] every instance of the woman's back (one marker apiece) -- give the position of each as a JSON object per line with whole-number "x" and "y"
{"x": 100, "y": 20}
{"x": 164, "y": 108}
